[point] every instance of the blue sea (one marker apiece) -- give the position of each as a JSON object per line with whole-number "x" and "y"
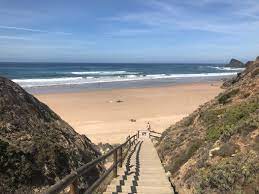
{"x": 51, "y": 77}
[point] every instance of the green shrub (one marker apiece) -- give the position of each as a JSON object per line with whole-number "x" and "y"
{"x": 256, "y": 144}
{"x": 230, "y": 175}
{"x": 185, "y": 155}
{"x": 211, "y": 116}
{"x": 255, "y": 72}
{"x": 245, "y": 95}
{"x": 225, "y": 121}
{"x": 187, "y": 121}
{"x": 227, "y": 149}
{"x": 225, "y": 97}
{"x": 167, "y": 146}
{"x": 3, "y": 147}
{"x": 213, "y": 133}
{"x": 246, "y": 127}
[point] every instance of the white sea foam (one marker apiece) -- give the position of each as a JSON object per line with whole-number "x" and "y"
{"x": 158, "y": 76}
{"x": 102, "y": 73}
{"x": 48, "y": 81}
{"x": 227, "y": 68}
{"x": 102, "y": 79}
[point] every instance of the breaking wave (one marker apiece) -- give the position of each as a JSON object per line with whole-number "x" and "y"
{"x": 112, "y": 78}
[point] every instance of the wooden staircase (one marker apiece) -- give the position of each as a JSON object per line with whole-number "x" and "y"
{"x": 142, "y": 172}
{"x": 136, "y": 169}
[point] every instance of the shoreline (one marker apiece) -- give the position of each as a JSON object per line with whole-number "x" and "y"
{"x": 106, "y": 115}
{"x": 160, "y": 85}
{"x": 107, "y": 86}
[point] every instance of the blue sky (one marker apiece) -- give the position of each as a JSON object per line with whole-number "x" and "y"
{"x": 129, "y": 30}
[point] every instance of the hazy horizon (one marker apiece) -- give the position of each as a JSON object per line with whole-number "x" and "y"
{"x": 69, "y": 62}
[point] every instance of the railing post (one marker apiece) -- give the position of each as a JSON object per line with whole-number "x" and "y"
{"x": 121, "y": 156}
{"x": 138, "y": 134}
{"x": 73, "y": 187}
{"x": 129, "y": 142}
{"x": 115, "y": 163}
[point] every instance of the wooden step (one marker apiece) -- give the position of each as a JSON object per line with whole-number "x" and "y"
{"x": 137, "y": 189}
{"x": 144, "y": 173}
{"x": 136, "y": 193}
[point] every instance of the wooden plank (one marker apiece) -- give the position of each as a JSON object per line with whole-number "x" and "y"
{"x": 115, "y": 159}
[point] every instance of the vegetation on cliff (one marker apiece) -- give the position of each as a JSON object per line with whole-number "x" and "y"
{"x": 216, "y": 148}
{"x": 37, "y": 147}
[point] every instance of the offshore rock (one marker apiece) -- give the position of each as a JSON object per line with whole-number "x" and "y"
{"x": 234, "y": 63}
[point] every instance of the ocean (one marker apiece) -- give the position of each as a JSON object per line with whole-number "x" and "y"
{"x": 50, "y": 77}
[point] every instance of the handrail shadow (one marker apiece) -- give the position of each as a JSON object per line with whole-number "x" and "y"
{"x": 71, "y": 180}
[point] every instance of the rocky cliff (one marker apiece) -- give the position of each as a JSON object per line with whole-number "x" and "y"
{"x": 216, "y": 148}
{"x": 234, "y": 63}
{"x": 37, "y": 147}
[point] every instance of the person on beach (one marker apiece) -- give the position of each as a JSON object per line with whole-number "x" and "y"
{"x": 148, "y": 126}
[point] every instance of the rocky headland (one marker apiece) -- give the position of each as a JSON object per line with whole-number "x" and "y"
{"x": 234, "y": 63}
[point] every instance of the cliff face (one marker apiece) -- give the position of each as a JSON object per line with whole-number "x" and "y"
{"x": 216, "y": 148}
{"x": 37, "y": 147}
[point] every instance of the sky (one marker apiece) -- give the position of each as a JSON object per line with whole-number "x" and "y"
{"x": 129, "y": 30}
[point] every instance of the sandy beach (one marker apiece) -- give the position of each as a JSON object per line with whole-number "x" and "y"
{"x": 105, "y": 115}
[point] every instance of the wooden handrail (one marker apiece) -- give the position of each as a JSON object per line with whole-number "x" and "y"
{"x": 154, "y": 136}
{"x": 150, "y": 131}
{"x": 156, "y": 132}
{"x": 71, "y": 179}
{"x": 100, "y": 180}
